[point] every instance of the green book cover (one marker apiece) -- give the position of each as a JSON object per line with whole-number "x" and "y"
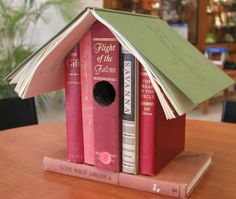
{"x": 186, "y": 77}
{"x": 170, "y": 55}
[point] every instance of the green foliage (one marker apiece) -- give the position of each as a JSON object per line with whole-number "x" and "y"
{"x": 68, "y": 9}
{"x": 16, "y": 17}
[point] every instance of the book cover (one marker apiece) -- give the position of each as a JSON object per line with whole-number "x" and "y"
{"x": 130, "y": 112}
{"x": 105, "y": 53}
{"x": 87, "y": 99}
{"x": 185, "y": 76}
{"x": 75, "y": 147}
{"x": 160, "y": 139}
{"x": 177, "y": 179}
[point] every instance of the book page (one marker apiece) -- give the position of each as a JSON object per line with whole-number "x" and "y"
{"x": 15, "y": 77}
{"x": 49, "y": 69}
{"x": 26, "y": 71}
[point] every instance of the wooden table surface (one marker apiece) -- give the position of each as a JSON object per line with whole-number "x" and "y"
{"x": 22, "y": 176}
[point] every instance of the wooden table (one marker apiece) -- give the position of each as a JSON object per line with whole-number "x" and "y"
{"x": 22, "y": 176}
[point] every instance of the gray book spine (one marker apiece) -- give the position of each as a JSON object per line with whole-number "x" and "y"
{"x": 130, "y": 116}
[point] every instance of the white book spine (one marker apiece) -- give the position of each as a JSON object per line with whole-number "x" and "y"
{"x": 130, "y": 115}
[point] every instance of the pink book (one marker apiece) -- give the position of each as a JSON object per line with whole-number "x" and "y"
{"x": 105, "y": 53}
{"x": 87, "y": 99}
{"x": 75, "y": 149}
{"x": 178, "y": 179}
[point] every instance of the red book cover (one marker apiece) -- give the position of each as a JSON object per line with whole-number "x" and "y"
{"x": 75, "y": 151}
{"x": 106, "y": 97}
{"x": 87, "y": 99}
{"x": 160, "y": 139}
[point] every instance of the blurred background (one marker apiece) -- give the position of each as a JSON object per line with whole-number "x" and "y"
{"x": 210, "y": 25}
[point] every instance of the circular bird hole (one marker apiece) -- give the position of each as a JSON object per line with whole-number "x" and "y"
{"x": 104, "y": 93}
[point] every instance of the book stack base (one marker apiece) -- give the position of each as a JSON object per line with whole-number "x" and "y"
{"x": 177, "y": 179}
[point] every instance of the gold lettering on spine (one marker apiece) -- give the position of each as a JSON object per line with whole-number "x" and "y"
{"x": 103, "y": 69}
{"x": 147, "y": 103}
{"x": 103, "y": 48}
{"x": 73, "y": 74}
{"x": 73, "y": 63}
{"x": 147, "y": 94}
{"x": 105, "y": 79}
{"x": 147, "y": 91}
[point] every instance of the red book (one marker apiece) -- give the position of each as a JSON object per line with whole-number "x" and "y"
{"x": 75, "y": 151}
{"x": 177, "y": 179}
{"x": 160, "y": 139}
{"x": 87, "y": 99}
{"x": 104, "y": 54}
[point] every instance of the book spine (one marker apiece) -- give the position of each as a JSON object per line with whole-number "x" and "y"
{"x": 87, "y": 99}
{"x": 148, "y": 120}
{"x": 79, "y": 170}
{"x": 106, "y": 98}
{"x": 137, "y": 182}
{"x": 75, "y": 152}
{"x": 130, "y": 115}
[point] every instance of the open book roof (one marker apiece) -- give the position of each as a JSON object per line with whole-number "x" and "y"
{"x": 185, "y": 76}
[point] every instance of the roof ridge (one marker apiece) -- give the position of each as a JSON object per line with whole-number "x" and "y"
{"x": 124, "y": 12}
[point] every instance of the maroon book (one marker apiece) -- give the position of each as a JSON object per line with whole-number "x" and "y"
{"x": 75, "y": 150}
{"x": 160, "y": 139}
{"x": 104, "y": 54}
